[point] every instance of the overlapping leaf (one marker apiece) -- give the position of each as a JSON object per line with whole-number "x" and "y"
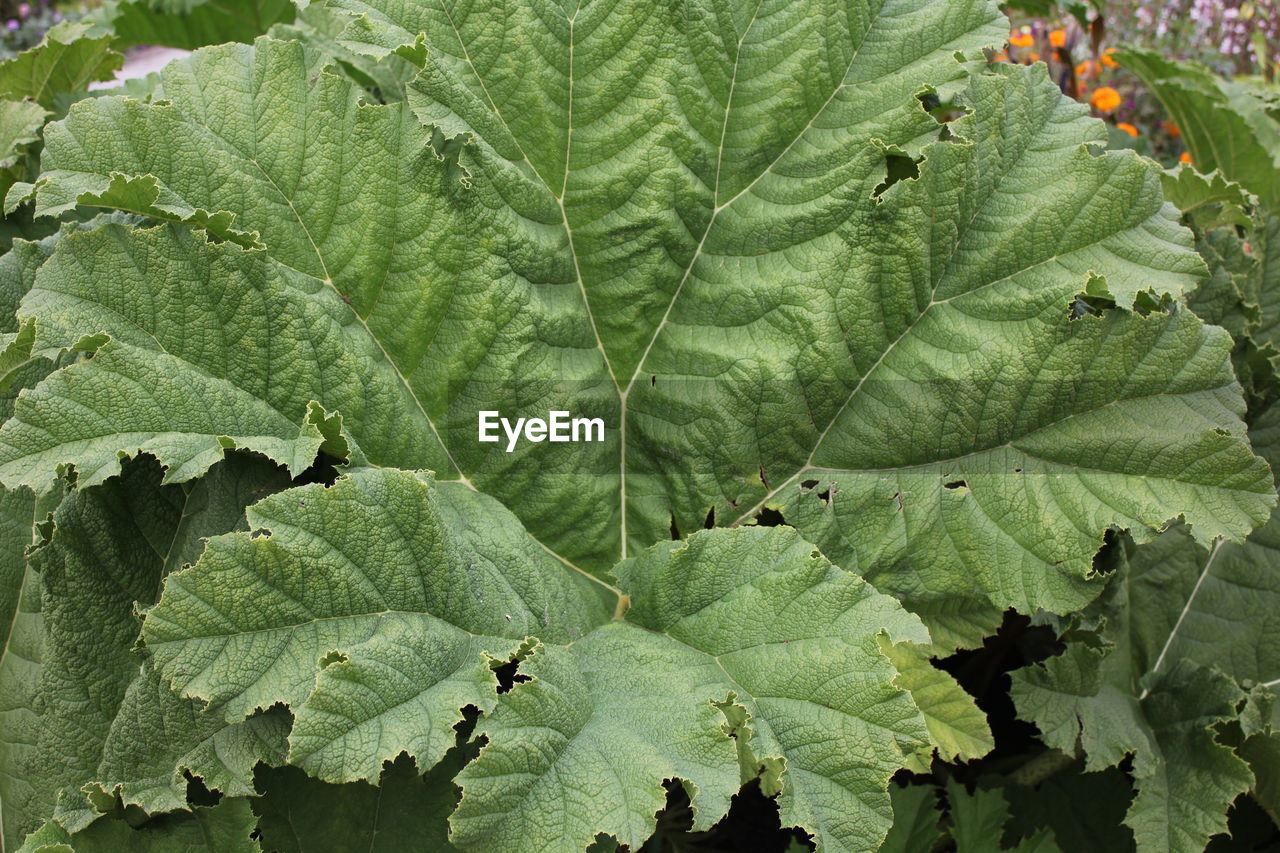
{"x": 1185, "y": 633}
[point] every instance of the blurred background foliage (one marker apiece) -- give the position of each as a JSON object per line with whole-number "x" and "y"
{"x": 1237, "y": 40}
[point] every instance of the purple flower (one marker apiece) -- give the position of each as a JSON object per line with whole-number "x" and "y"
{"x": 24, "y": 11}
{"x": 12, "y": 24}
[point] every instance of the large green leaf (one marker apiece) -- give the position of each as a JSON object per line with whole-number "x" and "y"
{"x": 704, "y": 261}
{"x": 743, "y": 654}
{"x": 352, "y": 582}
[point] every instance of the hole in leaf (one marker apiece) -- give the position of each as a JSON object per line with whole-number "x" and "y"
{"x": 1088, "y": 305}
{"x": 711, "y": 519}
{"x": 769, "y": 517}
{"x": 198, "y": 793}
{"x": 808, "y": 484}
{"x": 929, "y": 101}
{"x": 942, "y": 111}
{"x": 324, "y": 471}
{"x": 333, "y": 657}
{"x": 898, "y": 167}
{"x": 509, "y": 675}
{"x": 956, "y": 484}
{"x": 675, "y": 530}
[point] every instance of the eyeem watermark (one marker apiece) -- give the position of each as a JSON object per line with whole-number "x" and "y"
{"x": 558, "y": 427}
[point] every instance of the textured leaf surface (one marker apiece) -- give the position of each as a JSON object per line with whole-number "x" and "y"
{"x": 749, "y": 634}
{"x": 351, "y": 584}
{"x": 418, "y": 258}
{"x": 185, "y": 391}
{"x": 771, "y": 328}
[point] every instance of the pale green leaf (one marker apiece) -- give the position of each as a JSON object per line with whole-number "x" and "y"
{"x": 957, "y": 726}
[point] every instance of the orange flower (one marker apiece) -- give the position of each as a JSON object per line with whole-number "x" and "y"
{"x": 1057, "y": 38}
{"x": 1021, "y": 38}
{"x": 1000, "y": 56}
{"x": 1107, "y": 60}
{"x": 1105, "y": 99}
{"x": 1171, "y": 129}
{"x": 1033, "y": 57}
{"x": 1088, "y": 68}
{"x": 1127, "y": 128}
{"x": 1184, "y": 157}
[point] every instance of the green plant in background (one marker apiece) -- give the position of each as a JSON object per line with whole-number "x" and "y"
{"x": 908, "y": 382}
